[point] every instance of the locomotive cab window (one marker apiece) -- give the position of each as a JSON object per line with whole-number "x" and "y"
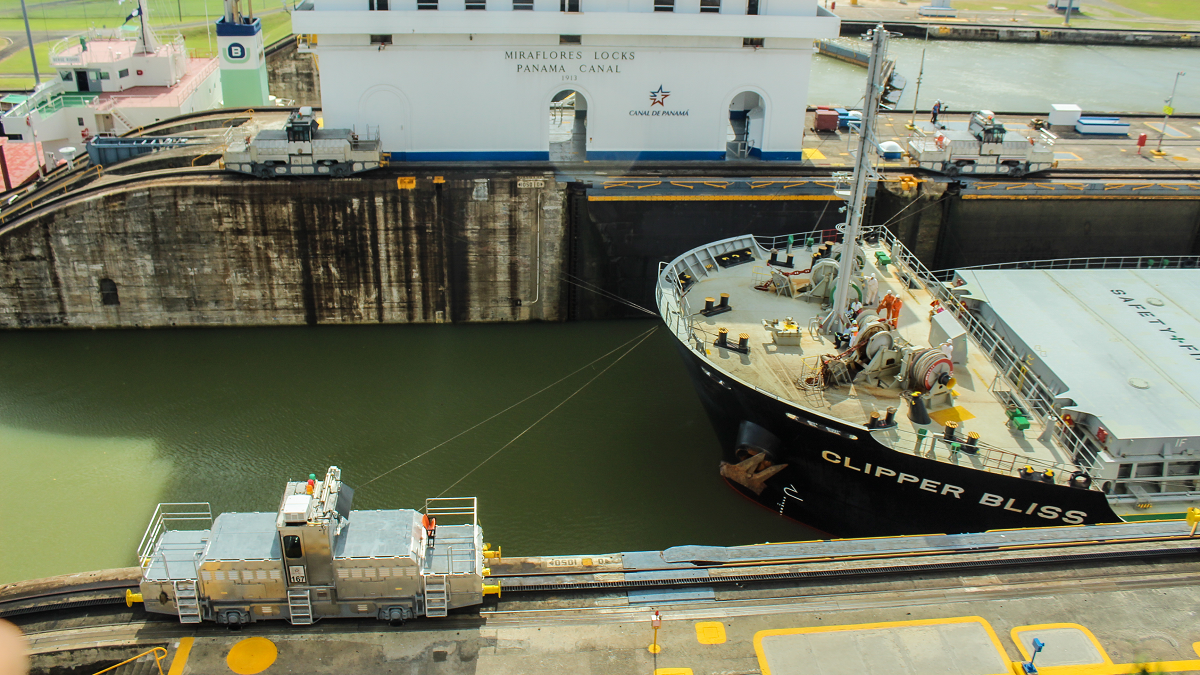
{"x": 291, "y": 546}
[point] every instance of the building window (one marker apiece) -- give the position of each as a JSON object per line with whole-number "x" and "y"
{"x": 752, "y": 42}
{"x": 570, "y": 40}
{"x": 108, "y": 292}
{"x": 568, "y": 5}
{"x": 427, "y": 4}
{"x": 104, "y": 75}
{"x": 710, "y": 5}
{"x": 124, "y": 72}
{"x": 66, "y": 77}
{"x": 476, "y": 4}
{"x": 752, "y": 7}
{"x": 377, "y": 5}
{"x": 664, "y": 5}
{"x": 523, "y": 4}
{"x": 381, "y": 39}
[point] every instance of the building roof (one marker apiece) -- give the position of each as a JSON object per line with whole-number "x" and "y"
{"x": 21, "y": 160}
{"x": 244, "y": 536}
{"x": 378, "y": 534}
{"x": 1125, "y": 342}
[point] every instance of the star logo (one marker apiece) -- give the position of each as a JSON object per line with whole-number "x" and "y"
{"x": 658, "y": 97}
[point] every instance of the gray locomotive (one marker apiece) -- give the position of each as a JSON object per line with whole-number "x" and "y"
{"x": 302, "y": 148}
{"x": 314, "y": 558}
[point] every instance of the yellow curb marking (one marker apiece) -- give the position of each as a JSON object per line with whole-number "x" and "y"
{"x": 710, "y": 633}
{"x": 181, "y": 656}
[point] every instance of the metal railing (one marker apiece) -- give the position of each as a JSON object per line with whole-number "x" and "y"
{"x": 461, "y": 508}
{"x": 1110, "y": 262}
{"x": 181, "y": 515}
{"x": 157, "y": 660}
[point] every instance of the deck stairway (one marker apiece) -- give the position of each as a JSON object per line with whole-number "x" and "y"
{"x": 299, "y": 607}
{"x": 436, "y": 595}
{"x": 186, "y": 602}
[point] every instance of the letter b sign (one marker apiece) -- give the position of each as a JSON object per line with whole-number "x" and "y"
{"x": 235, "y": 52}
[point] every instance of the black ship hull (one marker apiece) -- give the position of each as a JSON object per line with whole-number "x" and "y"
{"x": 838, "y": 478}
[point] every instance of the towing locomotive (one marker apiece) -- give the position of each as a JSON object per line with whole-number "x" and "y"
{"x": 302, "y": 148}
{"x": 314, "y": 558}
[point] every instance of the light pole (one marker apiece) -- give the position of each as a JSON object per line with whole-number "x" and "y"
{"x": 1069, "y": 3}
{"x": 1167, "y": 110}
{"x": 912, "y": 124}
{"x": 29, "y": 36}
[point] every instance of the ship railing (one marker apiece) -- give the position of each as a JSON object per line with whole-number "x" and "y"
{"x": 462, "y": 509}
{"x": 982, "y": 456}
{"x": 1109, "y": 262}
{"x": 172, "y": 516}
{"x": 1033, "y": 394}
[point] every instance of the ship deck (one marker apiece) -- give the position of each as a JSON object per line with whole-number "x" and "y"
{"x": 782, "y": 370}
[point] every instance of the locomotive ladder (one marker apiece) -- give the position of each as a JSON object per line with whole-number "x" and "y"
{"x": 186, "y": 602}
{"x": 436, "y": 595}
{"x": 299, "y": 607}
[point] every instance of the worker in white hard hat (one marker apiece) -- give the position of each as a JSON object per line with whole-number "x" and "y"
{"x": 872, "y": 290}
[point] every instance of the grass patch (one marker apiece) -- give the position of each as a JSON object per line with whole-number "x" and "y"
{"x": 16, "y": 83}
{"x": 1180, "y": 10}
{"x": 19, "y": 62}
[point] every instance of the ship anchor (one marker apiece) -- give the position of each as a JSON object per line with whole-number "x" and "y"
{"x": 746, "y": 472}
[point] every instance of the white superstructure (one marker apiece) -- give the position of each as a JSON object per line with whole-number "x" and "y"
{"x": 658, "y": 79}
{"x": 110, "y": 81}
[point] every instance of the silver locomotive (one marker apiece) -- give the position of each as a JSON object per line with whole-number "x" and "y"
{"x": 302, "y": 148}
{"x": 314, "y": 558}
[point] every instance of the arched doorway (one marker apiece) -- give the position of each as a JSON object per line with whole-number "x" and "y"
{"x": 568, "y": 127}
{"x": 744, "y": 137}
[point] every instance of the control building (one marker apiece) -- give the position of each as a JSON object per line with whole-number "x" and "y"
{"x": 539, "y": 79}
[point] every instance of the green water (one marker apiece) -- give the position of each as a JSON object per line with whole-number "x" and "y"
{"x": 97, "y": 427}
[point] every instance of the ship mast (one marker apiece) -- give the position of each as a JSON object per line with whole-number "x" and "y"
{"x": 147, "y": 43}
{"x": 863, "y": 171}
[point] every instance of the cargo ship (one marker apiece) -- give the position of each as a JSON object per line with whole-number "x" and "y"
{"x": 854, "y": 390}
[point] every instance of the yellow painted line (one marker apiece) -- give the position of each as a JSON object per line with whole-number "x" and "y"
{"x": 1133, "y": 197}
{"x": 179, "y": 662}
{"x": 1016, "y": 637}
{"x": 766, "y": 670}
{"x": 710, "y": 633}
{"x": 672, "y": 671}
{"x": 812, "y": 153}
{"x": 1196, "y": 648}
{"x": 714, "y": 198}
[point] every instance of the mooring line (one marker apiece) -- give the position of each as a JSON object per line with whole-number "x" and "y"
{"x": 561, "y": 403}
{"x": 489, "y": 419}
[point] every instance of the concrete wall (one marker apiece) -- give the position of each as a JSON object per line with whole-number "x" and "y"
{"x": 292, "y": 75}
{"x": 980, "y": 232}
{"x": 232, "y": 251}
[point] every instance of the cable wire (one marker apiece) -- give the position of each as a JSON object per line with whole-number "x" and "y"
{"x": 561, "y": 403}
{"x": 406, "y": 462}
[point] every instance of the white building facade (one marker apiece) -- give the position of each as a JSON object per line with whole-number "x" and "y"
{"x": 659, "y": 79}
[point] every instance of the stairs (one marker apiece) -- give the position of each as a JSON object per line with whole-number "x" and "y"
{"x": 186, "y": 602}
{"x": 124, "y": 121}
{"x": 437, "y": 595}
{"x": 299, "y": 607}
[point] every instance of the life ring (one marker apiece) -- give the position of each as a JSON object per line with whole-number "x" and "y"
{"x": 1101, "y": 435}
{"x": 1068, "y": 420}
{"x": 940, "y": 142}
{"x": 85, "y": 134}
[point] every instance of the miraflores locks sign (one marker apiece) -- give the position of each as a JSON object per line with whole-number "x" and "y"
{"x": 565, "y": 62}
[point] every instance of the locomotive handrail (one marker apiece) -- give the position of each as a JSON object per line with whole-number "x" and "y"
{"x": 167, "y": 514}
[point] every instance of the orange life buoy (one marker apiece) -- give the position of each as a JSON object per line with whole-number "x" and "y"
{"x": 85, "y": 134}
{"x": 1068, "y": 420}
{"x": 940, "y": 142}
{"x": 1101, "y": 435}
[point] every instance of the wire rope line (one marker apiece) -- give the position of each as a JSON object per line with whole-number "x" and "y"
{"x": 406, "y": 462}
{"x": 608, "y": 295}
{"x": 561, "y": 403}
